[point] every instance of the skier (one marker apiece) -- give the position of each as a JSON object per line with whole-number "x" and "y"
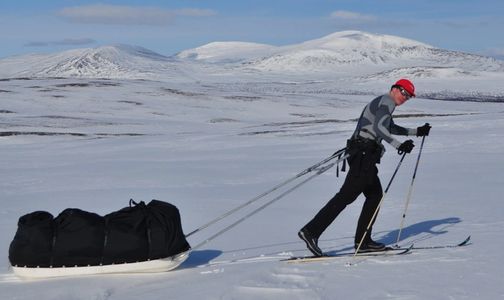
{"x": 365, "y": 150}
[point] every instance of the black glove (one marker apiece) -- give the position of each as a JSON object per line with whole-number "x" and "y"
{"x": 405, "y": 147}
{"x": 423, "y": 130}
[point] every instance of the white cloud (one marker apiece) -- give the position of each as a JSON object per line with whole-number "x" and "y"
{"x": 195, "y": 12}
{"x": 63, "y": 42}
{"x": 127, "y": 15}
{"x": 351, "y": 16}
{"x": 494, "y": 52}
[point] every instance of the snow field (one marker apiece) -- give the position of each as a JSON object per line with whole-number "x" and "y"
{"x": 212, "y": 150}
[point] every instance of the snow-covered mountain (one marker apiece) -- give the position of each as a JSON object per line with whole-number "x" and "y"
{"x": 346, "y": 54}
{"x": 356, "y": 50}
{"x": 226, "y": 52}
{"x": 115, "y": 61}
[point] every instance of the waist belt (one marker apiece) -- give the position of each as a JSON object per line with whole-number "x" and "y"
{"x": 363, "y": 143}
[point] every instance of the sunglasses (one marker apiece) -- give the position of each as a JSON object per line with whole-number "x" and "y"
{"x": 404, "y": 93}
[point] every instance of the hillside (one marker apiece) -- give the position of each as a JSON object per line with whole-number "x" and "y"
{"x": 115, "y": 61}
{"x": 226, "y": 52}
{"x": 348, "y": 50}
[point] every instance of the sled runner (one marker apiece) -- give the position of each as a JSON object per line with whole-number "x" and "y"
{"x": 150, "y": 266}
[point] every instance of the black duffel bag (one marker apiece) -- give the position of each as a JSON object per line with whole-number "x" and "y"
{"x": 165, "y": 230}
{"x": 78, "y": 238}
{"x": 126, "y": 235}
{"x": 32, "y": 244}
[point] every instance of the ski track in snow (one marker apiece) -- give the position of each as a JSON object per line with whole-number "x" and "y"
{"x": 283, "y": 283}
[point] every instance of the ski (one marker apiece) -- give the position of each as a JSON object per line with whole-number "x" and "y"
{"x": 387, "y": 252}
{"x": 461, "y": 244}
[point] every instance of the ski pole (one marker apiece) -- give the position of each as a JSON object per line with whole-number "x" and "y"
{"x": 302, "y": 173}
{"x": 320, "y": 171}
{"x": 409, "y": 193}
{"x": 379, "y": 205}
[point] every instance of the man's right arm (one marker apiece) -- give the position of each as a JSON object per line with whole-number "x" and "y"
{"x": 382, "y": 124}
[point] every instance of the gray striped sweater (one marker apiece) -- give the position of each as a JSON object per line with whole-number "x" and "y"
{"x": 376, "y": 122}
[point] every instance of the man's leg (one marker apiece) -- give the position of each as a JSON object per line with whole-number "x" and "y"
{"x": 374, "y": 193}
{"x": 352, "y": 187}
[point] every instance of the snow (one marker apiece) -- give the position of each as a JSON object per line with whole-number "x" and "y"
{"x": 208, "y": 142}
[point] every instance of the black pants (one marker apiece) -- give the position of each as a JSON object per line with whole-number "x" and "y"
{"x": 361, "y": 178}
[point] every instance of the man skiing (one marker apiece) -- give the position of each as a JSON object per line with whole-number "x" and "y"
{"x": 365, "y": 150}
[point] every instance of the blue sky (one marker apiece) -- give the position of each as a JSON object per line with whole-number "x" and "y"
{"x": 168, "y": 27}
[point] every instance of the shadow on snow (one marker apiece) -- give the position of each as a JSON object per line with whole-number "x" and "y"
{"x": 416, "y": 232}
{"x": 428, "y": 227}
{"x": 199, "y": 258}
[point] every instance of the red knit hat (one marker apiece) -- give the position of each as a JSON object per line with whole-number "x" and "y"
{"x": 407, "y": 85}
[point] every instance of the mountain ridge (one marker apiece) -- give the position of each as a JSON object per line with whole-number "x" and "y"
{"x": 118, "y": 60}
{"x": 344, "y": 53}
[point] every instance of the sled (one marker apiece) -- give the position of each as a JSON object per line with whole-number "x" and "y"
{"x": 141, "y": 238}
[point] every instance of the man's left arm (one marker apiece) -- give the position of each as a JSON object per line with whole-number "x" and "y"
{"x": 399, "y": 130}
